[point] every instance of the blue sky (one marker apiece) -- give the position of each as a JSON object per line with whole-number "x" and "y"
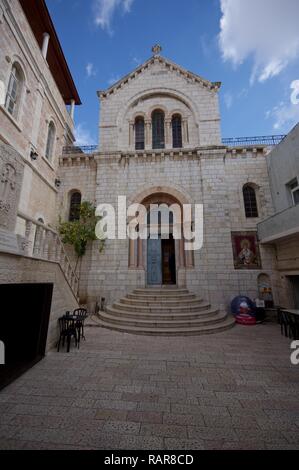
{"x": 251, "y": 46}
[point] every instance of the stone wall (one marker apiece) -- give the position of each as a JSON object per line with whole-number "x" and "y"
{"x": 41, "y": 102}
{"x": 20, "y": 270}
{"x": 214, "y": 178}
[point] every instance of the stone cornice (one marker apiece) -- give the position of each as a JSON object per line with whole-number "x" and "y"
{"x": 171, "y": 66}
{"x": 213, "y": 151}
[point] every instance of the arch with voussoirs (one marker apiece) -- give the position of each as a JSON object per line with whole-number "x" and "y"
{"x": 163, "y": 256}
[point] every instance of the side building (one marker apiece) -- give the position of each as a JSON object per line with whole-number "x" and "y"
{"x": 38, "y": 98}
{"x": 281, "y": 231}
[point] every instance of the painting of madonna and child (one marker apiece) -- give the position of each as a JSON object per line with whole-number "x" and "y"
{"x": 246, "y": 250}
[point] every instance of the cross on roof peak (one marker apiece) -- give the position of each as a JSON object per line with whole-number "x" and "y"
{"x": 156, "y": 49}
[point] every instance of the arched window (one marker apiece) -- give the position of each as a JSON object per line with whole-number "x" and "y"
{"x": 139, "y": 133}
{"x": 177, "y": 141}
{"x": 250, "y": 202}
{"x": 14, "y": 90}
{"x": 75, "y": 204}
{"x": 158, "y": 130}
{"x": 50, "y": 141}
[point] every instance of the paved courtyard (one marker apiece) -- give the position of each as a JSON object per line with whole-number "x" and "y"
{"x": 234, "y": 390}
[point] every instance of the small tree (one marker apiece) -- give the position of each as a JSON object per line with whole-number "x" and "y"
{"x": 79, "y": 232}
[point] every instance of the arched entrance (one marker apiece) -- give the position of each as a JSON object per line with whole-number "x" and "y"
{"x": 162, "y": 256}
{"x": 161, "y": 252}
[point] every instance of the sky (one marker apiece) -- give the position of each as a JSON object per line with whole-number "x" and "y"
{"x": 251, "y": 46}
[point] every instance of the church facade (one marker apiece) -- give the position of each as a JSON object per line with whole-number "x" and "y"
{"x": 160, "y": 143}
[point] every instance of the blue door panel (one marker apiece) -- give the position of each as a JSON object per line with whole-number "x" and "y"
{"x": 154, "y": 262}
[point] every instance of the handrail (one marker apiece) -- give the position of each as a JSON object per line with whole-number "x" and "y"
{"x": 43, "y": 242}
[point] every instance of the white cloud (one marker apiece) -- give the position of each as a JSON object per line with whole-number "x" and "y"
{"x": 90, "y": 71}
{"x": 105, "y": 9}
{"x": 83, "y": 136}
{"x": 267, "y": 30}
{"x": 285, "y": 114}
{"x": 228, "y": 100}
{"x": 295, "y": 92}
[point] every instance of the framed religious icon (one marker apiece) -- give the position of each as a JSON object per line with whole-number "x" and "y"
{"x": 246, "y": 250}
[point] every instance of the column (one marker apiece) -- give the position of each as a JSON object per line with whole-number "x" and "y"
{"x": 185, "y": 132}
{"x": 131, "y": 133}
{"x": 140, "y": 254}
{"x": 168, "y": 143}
{"x": 182, "y": 253}
{"x": 148, "y": 140}
{"x": 46, "y": 38}
{"x": 72, "y": 109}
{"x": 132, "y": 263}
{"x": 189, "y": 259}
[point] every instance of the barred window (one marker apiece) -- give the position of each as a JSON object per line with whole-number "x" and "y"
{"x": 177, "y": 141}
{"x": 139, "y": 133}
{"x": 250, "y": 202}
{"x": 75, "y": 204}
{"x": 158, "y": 130}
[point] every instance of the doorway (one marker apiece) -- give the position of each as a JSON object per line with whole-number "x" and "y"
{"x": 161, "y": 264}
{"x": 24, "y": 325}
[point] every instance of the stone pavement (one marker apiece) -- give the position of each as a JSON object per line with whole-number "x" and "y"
{"x": 232, "y": 390}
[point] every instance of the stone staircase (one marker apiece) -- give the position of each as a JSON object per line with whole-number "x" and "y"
{"x": 164, "y": 311}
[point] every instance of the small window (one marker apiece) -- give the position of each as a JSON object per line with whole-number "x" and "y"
{"x": 158, "y": 130}
{"x": 293, "y": 187}
{"x": 75, "y": 204}
{"x": 139, "y": 133}
{"x": 250, "y": 202}
{"x": 177, "y": 141}
{"x": 14, "y": 90}
{"x": 50, "y": 141}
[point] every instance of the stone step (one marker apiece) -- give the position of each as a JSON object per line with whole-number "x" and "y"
{"x": 161, "y": 316}
{"x": 162, "y": 309}
{"x": 181, "y": 331}
{"x": 160, "y": 302}
{"x": 169, "y": 323}
{"x": 161, "y": 291}
{"x": 160, "y": 296}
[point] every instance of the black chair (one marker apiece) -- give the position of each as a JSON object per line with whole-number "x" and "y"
{"x": 68, "y": 330}
{"x": 80, "y": 314}
{"x": 293, "y": 326}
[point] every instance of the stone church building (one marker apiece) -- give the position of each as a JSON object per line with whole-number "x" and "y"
{"x": 160, "y": 142}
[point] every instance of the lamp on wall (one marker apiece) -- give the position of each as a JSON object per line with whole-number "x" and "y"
{"x": 57, "y": 183}
{"x": 33, "y": 155}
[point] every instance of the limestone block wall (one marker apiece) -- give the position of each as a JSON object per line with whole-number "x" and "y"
{"x": 163, "y": 85}
{"x": 213, "y": 178}
{"x": 20, "y": 270}
{"x": 40, "y": 103}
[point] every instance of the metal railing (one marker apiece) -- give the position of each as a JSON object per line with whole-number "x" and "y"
{"x": 271, "y": 140}
{"x": 42, "y": 242}
{"x": 268, "y": 140}
{"x": 80, "y": 149}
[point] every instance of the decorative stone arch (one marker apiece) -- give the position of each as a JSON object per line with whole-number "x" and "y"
{"x": 146, "y": 94}
{"x": 138, "y": 248}
{"x": 177, "y": 193}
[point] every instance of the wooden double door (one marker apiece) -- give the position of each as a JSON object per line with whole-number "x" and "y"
{"x": 161, "y": 265}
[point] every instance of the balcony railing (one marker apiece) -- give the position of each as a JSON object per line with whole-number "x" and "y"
{"x": 82, "y": 149}
{"x": 271, "y": 140}
{"x": 280, "y": 225}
